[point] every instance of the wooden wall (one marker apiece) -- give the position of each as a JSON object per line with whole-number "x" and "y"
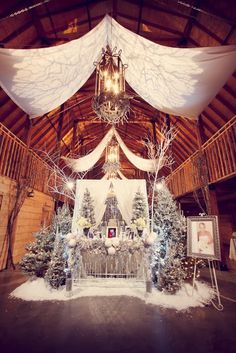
{"x": 35, "y": 212}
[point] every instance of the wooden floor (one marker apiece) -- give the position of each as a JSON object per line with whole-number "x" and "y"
{"x": 113, "y": 324}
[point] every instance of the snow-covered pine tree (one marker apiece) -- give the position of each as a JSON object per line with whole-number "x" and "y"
{"x": 170, "y": 245}
{"x": 87, "y": 208}
{"x": 55, "y": 274}
{"x": 139, "y": 206}
{"x": 35, "y": 261}
{"x": 62, "y": 220}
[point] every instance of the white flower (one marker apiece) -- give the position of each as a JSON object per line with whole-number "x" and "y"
{"x": 140, "y": 223}
{"x": 84, "y": 222}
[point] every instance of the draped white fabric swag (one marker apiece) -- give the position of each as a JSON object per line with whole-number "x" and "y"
{"x": 85, "y": 163}
{"x": 124, "y": 190}
{"x": 174, "y": 80}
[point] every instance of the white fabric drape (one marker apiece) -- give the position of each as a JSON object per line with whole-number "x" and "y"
{"x": 174, "y": 80}
{"x": 98, "y": 190}
{"x": 124, "y": 190}
{"x": 87, "y": 162}
{"x": 147, "y": 165}
{"x": 40, "y": 80}
{"x": 178, "y": 81}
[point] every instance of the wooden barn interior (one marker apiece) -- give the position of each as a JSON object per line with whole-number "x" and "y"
{"x": 202, "y": 178}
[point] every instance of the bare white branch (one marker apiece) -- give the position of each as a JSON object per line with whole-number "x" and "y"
{"x": 158, "y": 153}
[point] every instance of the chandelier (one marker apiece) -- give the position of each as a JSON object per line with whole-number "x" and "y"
{"x": 111, "y": 103}
{"x": 112, "y": 163}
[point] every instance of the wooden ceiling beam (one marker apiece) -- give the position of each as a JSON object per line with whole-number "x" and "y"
{"x": 230, "y": 90}
{"x": 188, "y": 28}
{"x": 231, "y": 31}
{"x": 140, "y": 15}
{"x": 157, "y": 7}
{"x": 218, "y": 113}
{"x": 17, "y": 32}
{"x": 88, "y": 14}
{"x": 214, "y": 124}
{"x": 71, "y": 8}
{"x": 148, "y": 23}
{"x": 227, "y": 104}
{"x": 114, "y": 9}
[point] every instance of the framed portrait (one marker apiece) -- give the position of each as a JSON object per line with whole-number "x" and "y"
{"x": 203, "y": 239}
{"x": 111, "y": 232}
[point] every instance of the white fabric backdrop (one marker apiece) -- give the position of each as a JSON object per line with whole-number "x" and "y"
{"x": 87, "y": 162}
{"x": 124, "y": 189}
{"x": 174, "y": 80}
{"x": 98, "y": 190}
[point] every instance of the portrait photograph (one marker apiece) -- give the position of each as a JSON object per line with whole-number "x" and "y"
{"x": 111, "y": 232}
{"x": 203, "y": 237}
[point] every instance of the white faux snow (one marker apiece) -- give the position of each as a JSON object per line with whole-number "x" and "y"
{"x": 37, "y": 291}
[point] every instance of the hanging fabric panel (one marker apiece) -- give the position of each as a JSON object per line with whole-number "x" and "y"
{"x": 179, "y": 81}
{"x": 40, "y": 80}
{"x": 85, "y": 163}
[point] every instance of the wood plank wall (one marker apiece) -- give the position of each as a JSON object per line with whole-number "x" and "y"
{"x": 35, "y": 212}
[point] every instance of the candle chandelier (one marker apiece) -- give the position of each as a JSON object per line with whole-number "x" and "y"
{"x": 112, "y": 163}
{"x": 111, "y": 103}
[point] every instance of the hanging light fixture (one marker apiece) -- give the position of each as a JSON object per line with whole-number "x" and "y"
{"x": 111, "y": 103}
{"x": 112, "y": 163}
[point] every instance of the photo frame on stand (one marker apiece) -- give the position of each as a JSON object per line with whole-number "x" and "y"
{"x": 203, "y": 239}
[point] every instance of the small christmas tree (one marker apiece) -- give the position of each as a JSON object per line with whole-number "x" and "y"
{"x": 55, "y": 275}
{"x": 139, "y": 206}
{"x": 62, "y": 220}
{"x": 87, "y": 208}
{"x": 35, "y": 261}
{"x": 170, "y": 244}
{"x": 38, "y": 258}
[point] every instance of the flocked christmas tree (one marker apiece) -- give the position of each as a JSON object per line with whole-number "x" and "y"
{"x": 139, "y": 206}
{"x": 169, "y": 249}
{"x": 87, "y": 208}
{"x": 35, "y": 261}
{"x": 45, "y": 258}
{"x": 55, "y": 275}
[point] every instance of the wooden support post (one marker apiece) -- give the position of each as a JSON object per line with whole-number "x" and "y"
{"x": 59, "y": 130}
{"x": 200, "y": 132}
{"x": 28, "y": 132}
{"x": 154, "y": 130}
{"x": 74, "y": 137}
{"x": 168, "y": 122}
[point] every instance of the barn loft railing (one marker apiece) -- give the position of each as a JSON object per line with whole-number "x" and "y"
{"x": 18, "y": 161}
{"x": 214, "y": 162}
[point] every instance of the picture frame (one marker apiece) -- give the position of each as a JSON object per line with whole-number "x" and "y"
{"x": 112, "y": 232}
{"x": 203, "y": 240}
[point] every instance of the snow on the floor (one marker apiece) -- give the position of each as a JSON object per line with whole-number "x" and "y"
{"x": 37, "y": 291}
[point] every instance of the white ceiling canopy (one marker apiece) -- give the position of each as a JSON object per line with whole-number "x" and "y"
{"x": 177, "y": 81}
